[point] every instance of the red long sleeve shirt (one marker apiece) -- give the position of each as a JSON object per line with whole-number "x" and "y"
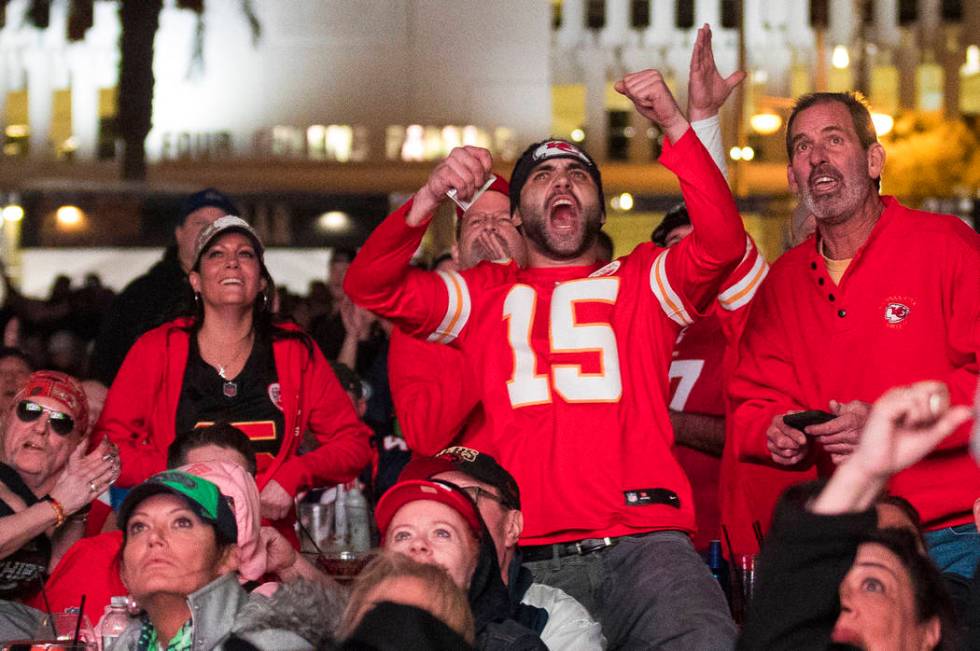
{"x": 907, "y": 309}
{"x": 572, "y": 362}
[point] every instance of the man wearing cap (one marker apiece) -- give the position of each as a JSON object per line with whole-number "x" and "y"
{"x": 434, "y": 391}
{"x": 498, "y": 498}
{"x": 155, "y": 297}
{"x": 433, "y": 388}
{"x": 572, "y": 359}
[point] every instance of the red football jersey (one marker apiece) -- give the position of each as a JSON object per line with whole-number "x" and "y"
{"x": 573, "y": 361}
{"x": 698, "y": 374}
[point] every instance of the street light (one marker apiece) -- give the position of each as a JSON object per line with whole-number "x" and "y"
{"x": 840, "y": 59}
{"x": 69, "y": 217}
{"x": 765, "y": 124}
{"x": 623, "y": 202}
{"x": 883, "y": 123}
{"x": 13, "y": 213}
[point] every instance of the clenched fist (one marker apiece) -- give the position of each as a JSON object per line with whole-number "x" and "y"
{"x": 466, "y": 169}
{"x": 653, "y": 100}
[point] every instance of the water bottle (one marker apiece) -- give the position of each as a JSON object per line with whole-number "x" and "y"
{"x": 341, "y": 521}
{"x": 114, "y": 621}
{"x": 719, "y": 568}
{"x": 358, "y": 520}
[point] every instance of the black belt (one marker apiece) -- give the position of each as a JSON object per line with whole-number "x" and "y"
{"x": 582, "y": 547}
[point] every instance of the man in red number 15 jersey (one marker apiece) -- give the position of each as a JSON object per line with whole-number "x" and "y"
{"x": 572, "y": 362}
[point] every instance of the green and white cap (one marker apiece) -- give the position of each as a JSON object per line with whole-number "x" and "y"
{"x": 201, "y": 495}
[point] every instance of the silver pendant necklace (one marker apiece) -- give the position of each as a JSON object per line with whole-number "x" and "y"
{"x": 228, "y": 388}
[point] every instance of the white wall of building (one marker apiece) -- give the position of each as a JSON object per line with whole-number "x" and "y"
{"x": 360, "y": 62}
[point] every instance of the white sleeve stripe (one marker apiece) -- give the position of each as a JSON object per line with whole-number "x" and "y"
{"x": 670, "y": 302}
{"x": 457, "y": 309}
{"x": 743, "y": 291}
{"x": 749, "y": 248}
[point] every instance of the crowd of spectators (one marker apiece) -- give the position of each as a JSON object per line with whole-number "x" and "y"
{"x": 550, "y": 437}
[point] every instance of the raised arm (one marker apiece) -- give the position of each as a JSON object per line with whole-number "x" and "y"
{"x": 694, "y": 269}
{"x": 707, "y": 91}
{"x": 812, "y": 544}
{"x": 381, "y": 279}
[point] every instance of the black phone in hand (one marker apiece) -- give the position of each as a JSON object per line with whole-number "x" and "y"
{"x": 804, "y": 418}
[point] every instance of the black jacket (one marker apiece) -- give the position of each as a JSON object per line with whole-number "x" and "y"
{"x": 148, "y": 301}
{"x": 806, "y": 556}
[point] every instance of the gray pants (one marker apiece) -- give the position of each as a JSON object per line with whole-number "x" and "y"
{"x": 17, "y": 621}
{"x": 653, "y": 592}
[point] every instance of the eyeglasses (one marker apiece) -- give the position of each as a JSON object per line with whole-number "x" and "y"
{"x": 61, "y": 423}
{"x": 475, "y": 492}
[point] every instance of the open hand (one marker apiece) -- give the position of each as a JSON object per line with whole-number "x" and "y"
{"x": 86, "y": 476}
{"x": 707, "y": 89}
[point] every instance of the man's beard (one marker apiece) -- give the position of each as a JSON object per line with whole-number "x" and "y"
{"x": 567, "y": 246}
{"x": 838, "y": 206}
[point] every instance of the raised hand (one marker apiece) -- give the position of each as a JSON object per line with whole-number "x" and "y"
{"x": 653, "y": 100}
{"x": 86, "y": 476}
{"x": 707, "y": 90}
{"x": 905, "y": 424}
{"x": 466, "y": 169}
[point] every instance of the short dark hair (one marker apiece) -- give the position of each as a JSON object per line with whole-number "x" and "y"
{"x": 903, "y": 505}
{"x": 221, "y": 434}
{"x": 675, "y": 217}
{"x": 855, "y": 103}
{"x": 930, "y": 594}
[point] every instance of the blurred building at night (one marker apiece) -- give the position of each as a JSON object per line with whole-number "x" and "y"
{"x": 339, "y": 105}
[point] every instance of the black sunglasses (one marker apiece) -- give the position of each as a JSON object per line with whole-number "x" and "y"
{"x": 61, "y": 423}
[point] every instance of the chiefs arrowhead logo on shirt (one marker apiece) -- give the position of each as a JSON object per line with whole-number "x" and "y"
{"x": 275, "y": 395}
{"x": 897, "y": 310}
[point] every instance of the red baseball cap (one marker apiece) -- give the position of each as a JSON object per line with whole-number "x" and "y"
{"x": 415, "y": 490}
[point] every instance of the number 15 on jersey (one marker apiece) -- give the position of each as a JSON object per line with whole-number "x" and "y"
{"x": 531, "y": 385}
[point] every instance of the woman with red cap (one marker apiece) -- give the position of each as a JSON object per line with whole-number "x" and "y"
{"x": 437, "y": 523}
{"x": 45, "y": 479}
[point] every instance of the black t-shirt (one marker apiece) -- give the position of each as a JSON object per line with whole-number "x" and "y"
{"x": 22, "y": 573}
{"x": 251, "y": 401}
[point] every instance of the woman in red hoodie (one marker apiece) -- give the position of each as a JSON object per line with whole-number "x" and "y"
{"x": 232, "y": 360}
